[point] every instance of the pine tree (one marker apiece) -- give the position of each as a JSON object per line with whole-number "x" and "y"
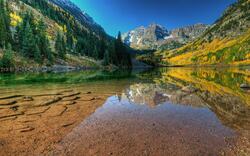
{"x": 19, "y": 34}
{"x": 46, "y": 50}
{"x": 43, "y": 41}
{"x": 2, "y": 31}
{"x": 95, "y": 53}
{"x": 37, "y": 54}
{"x": 17, "y": 38}
{"x": 64, "y": 47}
{"x": 81, "y": 46}
{"x": 58, "y": 42}
{"x": 21, "y": 38}
{"x": 102, "y": 49}
{"x": 118, "y": 47}
{"x": 60, "y": 46}
{"x": 106, "y": 58}
{"x": 41, "y": 27}
{"x": 28, "y": 43}
{"x": 70, "y": 40}
{"x": 7, "y": 60}
{"x": 33, "y": 25}
{"x": 7, "y": 21}
{"x": 112, "y": 55}
{"x": 124, "y": 58}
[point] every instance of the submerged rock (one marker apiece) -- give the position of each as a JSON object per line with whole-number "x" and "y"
{"x": 50, "y": 102}
{"x": 27, "y": 129}
{"x": 8, "y": 103}
{"x": 10, "y": 97}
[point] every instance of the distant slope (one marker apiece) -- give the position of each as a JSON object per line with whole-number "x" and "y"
{"x": 227, "y": 42}
{"x": 80, "y": 15}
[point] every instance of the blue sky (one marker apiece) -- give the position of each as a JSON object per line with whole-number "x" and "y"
{"x": 124, "y": 15}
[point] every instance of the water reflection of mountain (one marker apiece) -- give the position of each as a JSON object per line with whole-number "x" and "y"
{"x": 147, "y": 94}
{"x": 199, "y": 88}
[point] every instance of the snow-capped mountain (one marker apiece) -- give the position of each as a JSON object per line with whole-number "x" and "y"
{"x": 80, "y": 15}
{"x": 155, "y": 36}
{"x": 146, "y": 37}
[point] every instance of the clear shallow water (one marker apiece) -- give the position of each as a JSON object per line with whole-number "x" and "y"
{"x": 174, "y": 111}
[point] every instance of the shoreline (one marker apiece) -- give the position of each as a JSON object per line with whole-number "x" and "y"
{"x": 63, "y": 68}
{"x": 44, "y": 69}
{"x": 201, "y": 66}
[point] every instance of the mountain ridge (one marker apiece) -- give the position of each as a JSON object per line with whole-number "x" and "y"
{"x": 156, "y": 36}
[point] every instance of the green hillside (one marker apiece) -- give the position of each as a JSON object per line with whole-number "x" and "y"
{"x": 40, "y": 33}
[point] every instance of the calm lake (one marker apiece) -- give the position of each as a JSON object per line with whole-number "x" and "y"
{"x": 158, "y": 112}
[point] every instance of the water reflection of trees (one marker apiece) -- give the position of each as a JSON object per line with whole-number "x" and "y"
{"x": 66, "y": 77}
{"x": 217, "y": 90}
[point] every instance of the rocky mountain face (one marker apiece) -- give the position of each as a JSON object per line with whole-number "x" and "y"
{"x": 156, "y": 36}
{"x": 80, "y": 15}
{"x": 188, "y": 33}
{"x": 146, "y": 37}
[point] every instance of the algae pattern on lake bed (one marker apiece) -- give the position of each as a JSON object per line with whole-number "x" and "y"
{"x": 167, "y": 111}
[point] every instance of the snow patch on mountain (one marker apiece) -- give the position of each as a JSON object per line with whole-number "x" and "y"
{"x": 168, "y": 37}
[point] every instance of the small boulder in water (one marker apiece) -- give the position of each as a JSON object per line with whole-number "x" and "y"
{"x": 189, "y": 89}
{"x": 28, "y": 98}
{"x": 245, "y": 86}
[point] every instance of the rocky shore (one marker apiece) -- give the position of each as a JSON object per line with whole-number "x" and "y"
{"x": 43, "y": 69}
